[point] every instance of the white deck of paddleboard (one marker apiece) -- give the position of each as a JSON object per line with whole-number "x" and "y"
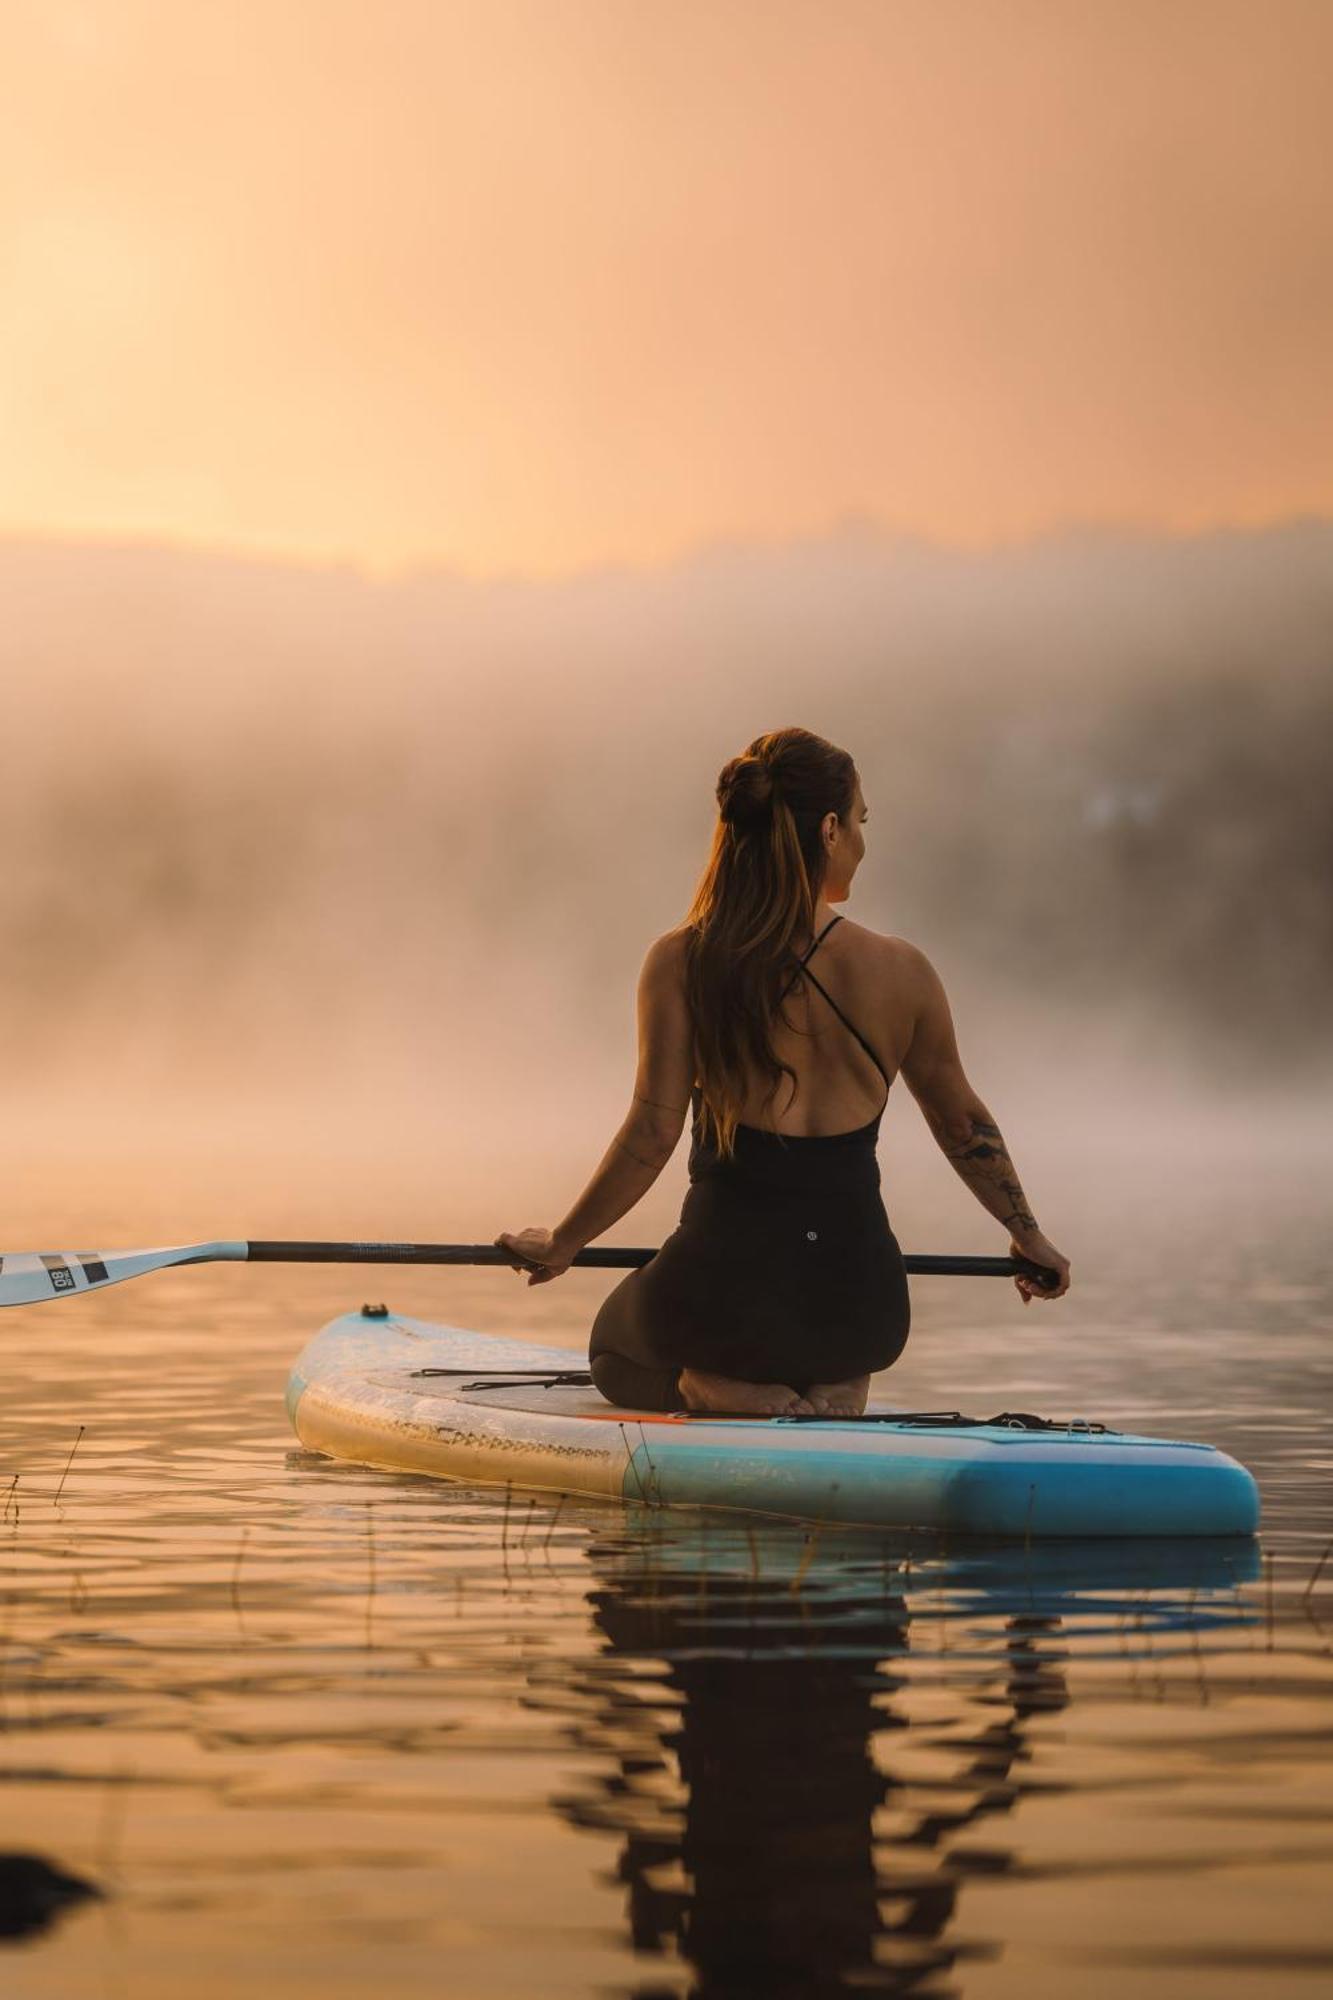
{"x": 359, "y": 1391}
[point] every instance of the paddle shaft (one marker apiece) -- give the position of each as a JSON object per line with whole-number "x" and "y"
{"x": 31, "y": 1277}
{"x": 604, "y": 1259}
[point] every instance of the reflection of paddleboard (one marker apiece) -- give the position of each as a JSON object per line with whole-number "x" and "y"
{"x": 413, "y": 1397}
{"x": 991, "y": 1578}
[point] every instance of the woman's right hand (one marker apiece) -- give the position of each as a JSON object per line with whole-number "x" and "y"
{"x": 1038, "y": 1249}
{"x": 536, "y": 1252}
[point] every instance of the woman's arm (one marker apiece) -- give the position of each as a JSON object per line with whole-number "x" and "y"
{"x": 964, "y": 1129}
{"x": 648, "y": 1133}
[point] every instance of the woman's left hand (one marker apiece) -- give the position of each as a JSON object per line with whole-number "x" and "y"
{"x": 536, "y": 1252}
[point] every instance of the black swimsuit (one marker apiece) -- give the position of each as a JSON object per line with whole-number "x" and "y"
{"x": 783, "y": 1267}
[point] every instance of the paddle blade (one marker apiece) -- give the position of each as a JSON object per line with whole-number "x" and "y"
{"x": 30, "y": 1277}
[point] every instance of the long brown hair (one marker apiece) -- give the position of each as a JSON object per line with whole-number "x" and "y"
{"x": 756, "y": 898}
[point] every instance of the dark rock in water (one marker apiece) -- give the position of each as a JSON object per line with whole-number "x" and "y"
{"x": 33, "y": 1893}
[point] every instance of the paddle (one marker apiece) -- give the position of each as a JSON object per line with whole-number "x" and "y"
{"x": 29, "y": 1277}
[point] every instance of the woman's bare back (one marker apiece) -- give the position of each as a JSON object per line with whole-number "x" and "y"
{"x": 867, "y": 978}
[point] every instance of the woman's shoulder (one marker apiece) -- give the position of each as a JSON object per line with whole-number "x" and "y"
{"x": 880, "y": 949}
{"x": 665, "y": 956}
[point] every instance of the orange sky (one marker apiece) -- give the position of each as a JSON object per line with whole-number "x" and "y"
{"x": 528, "y": 285}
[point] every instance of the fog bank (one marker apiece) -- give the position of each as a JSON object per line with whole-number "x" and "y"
{"x": 391, "y": 850}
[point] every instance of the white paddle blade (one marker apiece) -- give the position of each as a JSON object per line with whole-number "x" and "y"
{"x": 30, "y": 1277}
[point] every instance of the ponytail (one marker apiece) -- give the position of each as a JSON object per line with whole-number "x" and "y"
{"x": 756, "y": 898}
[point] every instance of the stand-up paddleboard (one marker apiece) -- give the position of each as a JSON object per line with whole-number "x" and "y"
{"x": 409, "y": 1396}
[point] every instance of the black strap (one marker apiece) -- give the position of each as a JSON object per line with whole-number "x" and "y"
{"x": 809, "y": 953}
{"x": 939, "y": 1420}
{"x": 852, "y": 1029}
{"x": 821, "y": 988}
{"x": 516, "y": 1378}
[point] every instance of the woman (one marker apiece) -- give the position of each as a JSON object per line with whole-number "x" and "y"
{"x": 783, "y": 1288}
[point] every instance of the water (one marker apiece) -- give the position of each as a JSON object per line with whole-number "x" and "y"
{"x": 306, "y": 1727}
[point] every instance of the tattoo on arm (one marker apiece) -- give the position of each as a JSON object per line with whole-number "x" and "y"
{"x": 982, "y": 1161}
{"x": 647, "y": 1138}
{"x": 675, "y": 1110}
{"x": 649, "y": 1166}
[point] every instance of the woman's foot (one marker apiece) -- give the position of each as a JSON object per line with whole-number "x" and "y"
{"x": 839, "y": 1399}
{"x": 725, "y": 1396}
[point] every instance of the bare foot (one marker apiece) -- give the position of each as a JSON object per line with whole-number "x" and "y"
{"x": 839, "y": 1399}
{"x": 725, "y": 1396}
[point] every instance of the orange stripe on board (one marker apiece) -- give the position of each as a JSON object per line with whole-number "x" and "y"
{"x": 639, "y": 1416}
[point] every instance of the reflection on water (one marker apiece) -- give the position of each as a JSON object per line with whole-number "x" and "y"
{"x": 740, "y": 1771}
{"x": 748, "y": 1713}
{"x": 307, "y": 1727}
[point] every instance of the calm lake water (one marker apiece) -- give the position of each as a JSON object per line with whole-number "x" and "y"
{"x": 308, "y": 1728}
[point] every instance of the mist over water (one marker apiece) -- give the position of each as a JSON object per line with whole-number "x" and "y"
{"x": 387, "y": 854}
{"x": 323, "y": 903}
